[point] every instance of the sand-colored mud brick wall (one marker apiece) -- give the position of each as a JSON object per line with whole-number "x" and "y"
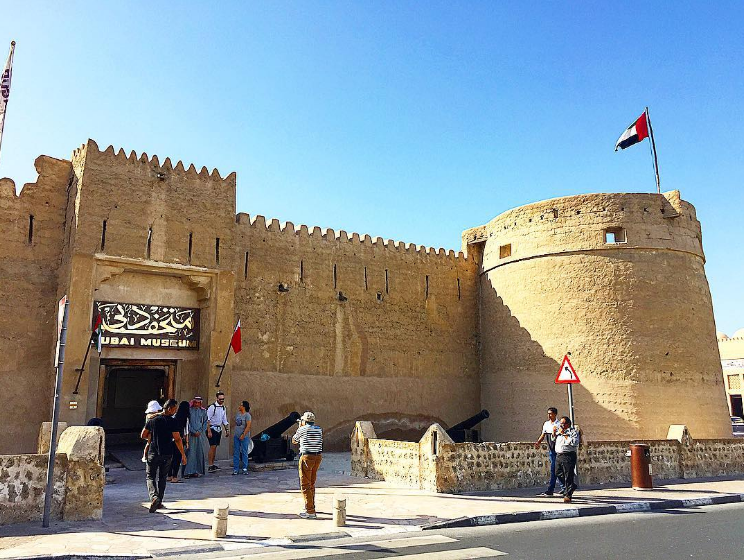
{"x": 148, "y": 232}
{"x": 617, "y": 281}
{"x": 437, "y": 464}
{"x": 350, "y": 327}
{"x": 30, "y": 251}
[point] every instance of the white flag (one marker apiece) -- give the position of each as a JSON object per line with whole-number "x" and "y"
{"x": 5, "y": 88}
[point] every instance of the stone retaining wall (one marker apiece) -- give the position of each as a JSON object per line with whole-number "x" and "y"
{"x": 438, "y": 464}
{"x": 79, "y": 478}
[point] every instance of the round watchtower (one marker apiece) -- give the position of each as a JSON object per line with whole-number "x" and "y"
{"x": 617, "y": 281}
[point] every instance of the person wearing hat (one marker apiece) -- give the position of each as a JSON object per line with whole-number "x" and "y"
{"x": 161, "y": 432}
{"x": 310, "y": 437}
{"x": 152, "y": 410}
{"x": 197, "y": 439}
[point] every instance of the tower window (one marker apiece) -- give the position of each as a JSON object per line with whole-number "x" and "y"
{"x": 505, "y": 251}
{"x": 614, "y": 235}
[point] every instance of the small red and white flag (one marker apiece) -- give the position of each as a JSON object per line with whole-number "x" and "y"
{"x": 235, "y": 341}
{"x": 634, "y": 133}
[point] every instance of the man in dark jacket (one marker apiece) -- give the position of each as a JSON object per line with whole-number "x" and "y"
{"x": 162, "y": 433}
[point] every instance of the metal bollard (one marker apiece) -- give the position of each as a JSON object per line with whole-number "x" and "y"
{"x": 339, "y": 511}
{"x": 219, "y": 523}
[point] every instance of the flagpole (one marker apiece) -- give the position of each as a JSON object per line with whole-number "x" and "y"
{"x": 81, "y": 369}
{"x": 222, "y": 369}
{"x": 653, "y": 148}
{"x": 10, "y": 79}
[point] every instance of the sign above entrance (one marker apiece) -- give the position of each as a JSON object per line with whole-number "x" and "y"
{"x": 134, "y": 325}
{"x": 567, "y": 373}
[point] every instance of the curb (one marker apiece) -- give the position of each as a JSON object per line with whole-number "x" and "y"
{"x": 589, "y": 511}
{"x": 475, "y": 521}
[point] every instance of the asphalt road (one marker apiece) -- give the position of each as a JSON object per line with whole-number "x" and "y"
{"x": 708, "y": 532}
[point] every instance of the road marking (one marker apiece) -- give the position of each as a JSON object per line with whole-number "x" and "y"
{"x": 300, "y": 551}
{"x": 305, "y": 551}
{"x": 410, "y": 541}
{"x": 459, "y": 554}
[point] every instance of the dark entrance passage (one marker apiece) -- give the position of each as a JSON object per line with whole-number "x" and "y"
{"x": 736, "y": 406}
{"x": 127, "y": 389}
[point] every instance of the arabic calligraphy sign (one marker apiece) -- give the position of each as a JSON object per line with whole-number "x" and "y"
{"x": 147, "y": 326}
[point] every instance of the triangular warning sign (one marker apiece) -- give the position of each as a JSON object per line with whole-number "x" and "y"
{"x": 567, "y": 373}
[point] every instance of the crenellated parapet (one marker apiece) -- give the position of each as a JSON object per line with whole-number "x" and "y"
{"x": 610, "y": 221}
{"x": 259, "y": 224}
{"x": 153, "y": 162}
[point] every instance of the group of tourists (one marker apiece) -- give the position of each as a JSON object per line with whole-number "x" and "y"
{"x": 177, "y": 436}
{"x": 563, "y": 444}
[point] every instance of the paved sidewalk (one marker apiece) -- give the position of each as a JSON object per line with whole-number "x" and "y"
{"x": 264, "y": 507}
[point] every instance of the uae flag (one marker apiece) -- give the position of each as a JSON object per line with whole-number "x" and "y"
{"x": 235, "y": 342}
{"x": 95, "y": 337}
{"x": 5, "y": 79}
{"x": 633, "y": 134}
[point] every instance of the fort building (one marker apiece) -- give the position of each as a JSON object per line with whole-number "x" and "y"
{"x": 349, "y": 326}
{"x": 732, "y": 360}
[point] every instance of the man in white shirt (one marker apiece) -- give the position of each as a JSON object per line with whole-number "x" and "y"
{"x": 549, "y": 428}
{"x": 216, "y": 423}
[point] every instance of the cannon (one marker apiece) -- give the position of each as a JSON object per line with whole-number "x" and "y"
{"x": 271, "y": 444}
{"x": 464, "y": 432}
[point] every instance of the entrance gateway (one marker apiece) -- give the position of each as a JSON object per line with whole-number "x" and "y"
{"x": 125, "y": 388}
{"x": 130, "y": 374}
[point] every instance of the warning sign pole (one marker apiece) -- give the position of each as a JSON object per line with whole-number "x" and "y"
{"x": 570, "y": 402}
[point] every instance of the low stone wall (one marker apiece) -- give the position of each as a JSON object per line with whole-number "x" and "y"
{"x": 438, "y": 464}
{"x": 23, "y": 485}
{"x": 713, "y": 457}
{"x": 79, "y": 478}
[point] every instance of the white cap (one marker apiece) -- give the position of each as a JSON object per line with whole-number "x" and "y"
{"x": 153, "y": 406}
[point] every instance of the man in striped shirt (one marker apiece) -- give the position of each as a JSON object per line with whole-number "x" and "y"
{"x": 310, "y": 438}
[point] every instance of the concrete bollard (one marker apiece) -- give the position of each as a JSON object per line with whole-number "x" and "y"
{"x": 339, "y": 511}
{"x": 219, "y": 523}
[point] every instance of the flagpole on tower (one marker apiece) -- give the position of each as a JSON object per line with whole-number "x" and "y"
{"x": 5, "y": 80}
{"x": 653, "y": 148}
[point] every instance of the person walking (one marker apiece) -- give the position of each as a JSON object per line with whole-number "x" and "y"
{"x": 153, "y": 409}
{"x": 161, "y": 433}
{"x": 216, "y": 423}
{"x": 550, "y": 426}
{"x": 242, "y": 437}
{"x": 310, "y": 437}
{"x": 197, "y": 439}
{"x": 182, "y": 420}
{"x": 566, "y": 448}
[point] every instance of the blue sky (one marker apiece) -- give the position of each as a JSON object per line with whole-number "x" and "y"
{"x": 407, "y": 120}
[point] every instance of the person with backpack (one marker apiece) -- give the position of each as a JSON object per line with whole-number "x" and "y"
{"x": 216, "y": 423}
{"x": 310, "y": 437}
